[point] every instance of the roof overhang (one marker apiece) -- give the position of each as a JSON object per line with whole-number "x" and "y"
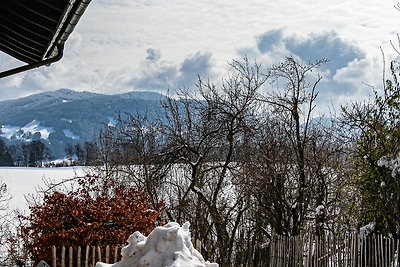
{"x": 34, "y": 31}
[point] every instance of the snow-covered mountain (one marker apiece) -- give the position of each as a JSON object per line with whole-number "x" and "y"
{"x": 66, "y": 116}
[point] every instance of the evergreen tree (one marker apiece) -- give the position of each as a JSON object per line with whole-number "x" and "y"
{"x": 376, "y": 169}
{"x": 5, "y": 156}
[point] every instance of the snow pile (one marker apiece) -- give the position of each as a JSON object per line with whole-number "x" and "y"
{"x": 392, "y": 163}
{"x": 320, "y": 210}
{"x": 367, "y": 229}
{"x": 167, "y": 246}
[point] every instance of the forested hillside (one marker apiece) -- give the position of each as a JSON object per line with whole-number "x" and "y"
{"x": 64, "y": 117}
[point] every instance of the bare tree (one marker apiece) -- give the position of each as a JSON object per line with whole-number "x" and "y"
{"x": 140, "y": 143}
{"x": 205, "y": 136}
{"x": 234, "y": 162}
{"x": 296, "y": 155}
{"x": 5, "y": 227}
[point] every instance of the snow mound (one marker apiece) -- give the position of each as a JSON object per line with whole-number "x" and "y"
{"x": 367, "y": 229}
{"x": 166, "y": 246}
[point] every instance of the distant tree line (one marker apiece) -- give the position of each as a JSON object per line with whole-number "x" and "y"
{"x": 30, "y": 154}
{"x": 36, "y": 154}
{"x": 5, "y": 156}
{"x": 86, "y": 154}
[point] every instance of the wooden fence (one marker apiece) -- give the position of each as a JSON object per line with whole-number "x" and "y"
{"x": 86, "y": 256}
{"x": 344, "y": 250}
{"x": 347, "y": 250}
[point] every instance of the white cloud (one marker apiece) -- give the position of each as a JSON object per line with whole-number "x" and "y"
{"x": 160, "y": 75}
{"x": 153, "y": 54}
{"x": 107, "y": 51}
{"x": 353, "y": 73}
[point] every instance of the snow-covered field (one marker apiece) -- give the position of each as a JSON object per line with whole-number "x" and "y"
{"x": 22, "y": 181}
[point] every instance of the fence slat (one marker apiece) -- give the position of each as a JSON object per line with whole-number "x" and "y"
{"x": 376, "y": 244}
{"x": 338, "y": 250}
{"x": 93, "y": 256}
{"x": 306, "y": 250}
{"x": 98, "y": 254}
{"x": 54, "y": 252}
{"x": 78, "y": 257}
{"x": 63, "y": 256}
{"x": 115, "y": 253}
{"x": 107, "y": 254}
{"x": 71, "y": 257}
{"x": 87, "y": 257}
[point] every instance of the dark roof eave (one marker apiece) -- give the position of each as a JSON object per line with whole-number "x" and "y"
{"x": 67, "y": 26}
{"x": 38, "y": 64}
{"x": 53, "y": 50}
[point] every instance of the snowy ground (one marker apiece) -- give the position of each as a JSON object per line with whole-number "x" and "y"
{"x": 22, "y": 181}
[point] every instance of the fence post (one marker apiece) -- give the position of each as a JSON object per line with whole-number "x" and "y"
{"x": 54, "y": 250}
{"x": 99, "y": 254}
{"x": 87, "y": 256}
{"x": 93, "y": 256}
{"x": 71, "y": 257}
{"x": 107, "y": 254}
{"x": 63, "y": 256}
{"x": 115, "y": 253}
{"x": 279, "y": 251}
{"x": 376, "y": 249}
{"x": 78, "y": 257}
{"x": 311, "y": 251}
{"x": 383, "y": 248}
{"x": 272, "y": 250}
{"x": 364, "y": 251}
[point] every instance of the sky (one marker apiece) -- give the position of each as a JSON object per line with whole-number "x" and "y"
{"x": 157, "y": 45}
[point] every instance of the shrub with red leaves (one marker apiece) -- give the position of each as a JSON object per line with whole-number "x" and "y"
{"x": 100, "y": 212}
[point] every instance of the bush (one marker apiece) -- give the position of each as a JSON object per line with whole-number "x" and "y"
{"x": 100, "y": 212}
